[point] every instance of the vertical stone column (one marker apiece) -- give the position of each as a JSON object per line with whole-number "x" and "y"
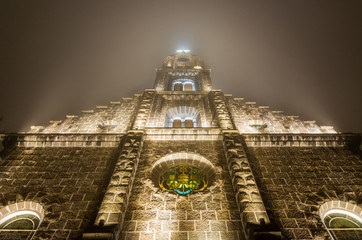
{"x": 161, "y": 80}
{"x": 144, "y": 109}
{"x": 205, "y": 80}
{"x": 248, "y": 197}
{"x": 114, "y": 204}
{"x": 221, "y": 109}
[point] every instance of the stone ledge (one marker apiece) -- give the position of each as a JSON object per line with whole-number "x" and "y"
{"x": 63, "y": 140}
{"x": 182, "y": 92}
{"x": 302, "y": 140}
{"x": 160, "y": 134}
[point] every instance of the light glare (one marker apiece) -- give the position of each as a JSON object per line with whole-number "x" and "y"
{"x": 183, "y": 51}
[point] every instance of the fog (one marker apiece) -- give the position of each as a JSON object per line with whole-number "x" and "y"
{"x": 62, "y": 57}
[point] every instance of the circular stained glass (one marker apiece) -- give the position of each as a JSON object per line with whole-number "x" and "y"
{"x": 183, "y": 180}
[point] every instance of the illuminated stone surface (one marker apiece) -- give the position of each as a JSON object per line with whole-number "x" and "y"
{"x": 96, "y": 175}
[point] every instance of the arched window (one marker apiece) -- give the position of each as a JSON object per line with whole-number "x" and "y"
{"x": 176, "y": 123}
{"x": 188, "y": 87}
{"x": 189, "y": 123}
{"x": 340, "y": 221}
{"x": 182, "y": 117}
{"x": 183, "y": 85}
{"x": 23, "y": 221}
{"x": 178, "y": 87}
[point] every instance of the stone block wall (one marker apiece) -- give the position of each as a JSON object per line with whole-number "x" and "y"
{"x": 295, "y": 182}
{"x": 68, "y": 183}
{"x": 157, "y": 214}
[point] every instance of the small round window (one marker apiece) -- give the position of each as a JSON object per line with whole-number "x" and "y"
{"x": 183, "y": 180}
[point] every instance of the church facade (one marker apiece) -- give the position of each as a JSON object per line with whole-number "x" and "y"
{"x": 181, "y": 161}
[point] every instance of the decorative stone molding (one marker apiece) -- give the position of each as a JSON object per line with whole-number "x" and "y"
{"x": 64, "y": 140}
{"x": 301, "y": 140}
{"x": 341, "y": 205}
{"x": 144, "y": 109}
{"x": 114, "y": 204}
{"x": 22, "y": 206}
{"x": 221, "y": 109}
{"x": 185, "y": 158}
{"x": 248, "y": 197}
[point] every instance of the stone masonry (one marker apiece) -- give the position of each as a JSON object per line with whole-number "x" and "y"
{"x": 155, "y": 214}
{"x": 68, "y": 182}
{"x": 182, "y": 161}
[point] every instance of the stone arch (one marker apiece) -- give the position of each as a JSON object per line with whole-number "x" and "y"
{"x": 183, "y": 158}
{"x": 343, "y": 212}
{"x": 18, "y": 209}
{"x": 183, "y": 113}
{"x": 185, "y": 82}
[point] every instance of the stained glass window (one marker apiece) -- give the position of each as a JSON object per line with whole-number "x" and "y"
{"x": 183, "y": 180}
{"x": 24, "y": 220}
{"x": 343, "y": 226}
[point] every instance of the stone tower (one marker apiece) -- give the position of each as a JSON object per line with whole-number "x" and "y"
{"x": 181, "y": 161}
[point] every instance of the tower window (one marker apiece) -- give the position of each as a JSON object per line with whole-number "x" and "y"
{"x": 183, "y": 85}
{"x": 183, "y": 123}
{"x": 188, "y": 87}
{"x": 182, "y": 117}
{"x": 178, "y": 87}
{"x": 177, "y": 123}
{"x": 189, "y": 123}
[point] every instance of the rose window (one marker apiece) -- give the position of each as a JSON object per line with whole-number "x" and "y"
{"x": 183, "y": 180}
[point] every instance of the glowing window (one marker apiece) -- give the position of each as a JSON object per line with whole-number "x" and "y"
{"x": 189, "y": 123}
{"x": 343, "y": 225}
{"x": 183, "y": 84}
{"x": 177, "y": 123}
{"x": 188, "y": 87}
{"x": 183, "y": 180}
{"x": 24, "y": 220}
{"x": 178, "y": 87}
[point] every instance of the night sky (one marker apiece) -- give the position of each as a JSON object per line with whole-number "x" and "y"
{"x": 62, "y": 57}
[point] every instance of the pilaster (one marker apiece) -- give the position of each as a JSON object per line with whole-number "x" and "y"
{"x": 114, "y": 204}
{"x": 248, "y": 197}
{"x": 221, "y": 110}
{"x": 144, "y": 109}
